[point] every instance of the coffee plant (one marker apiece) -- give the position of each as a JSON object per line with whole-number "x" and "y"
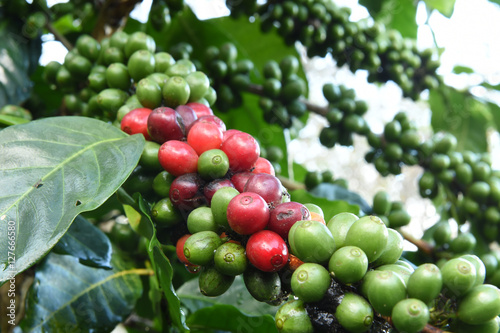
{"x": 146, "y": 183}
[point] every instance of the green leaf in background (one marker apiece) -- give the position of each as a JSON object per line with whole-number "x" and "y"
{"x": 229, "y": 319}
{"x": 461, "y": 114}
{"x": 462, "y": 69}
{"x": 86, "y": 242}
{"x": 445, "y": 7}
{"x": 67, "y": 296}
{"x": 6, "y": 120}
{"x": 237, "y": 295}
{"x": 334, "y": 192}
{"x": 395, "y": 14}
{"x": 16, "y": 53}
{"x": 330, "y": 207}
{"x": 51, "y": 170}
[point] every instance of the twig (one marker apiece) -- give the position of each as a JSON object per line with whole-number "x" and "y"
{"x": 419, "y": 243}
{"x": 60, "y": 37}
{"x": 291, "y": 184}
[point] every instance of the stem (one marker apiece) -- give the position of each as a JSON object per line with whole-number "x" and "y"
{"x": 291, "y": 184}
{"x": 60, "y": 37}
{"x": 419, "y": 243}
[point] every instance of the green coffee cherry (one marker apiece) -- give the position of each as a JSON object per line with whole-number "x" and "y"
{"x": 348, "y": 264}
{"x": 165, "y": 214}
{"x": 213, "y": 164}
{"x": 425, "y": 283}
{"x": 162, "y": 182}
{"x": 339, "y": 225}
{"x": 311, "y": 241}
{"x": 212, "y": 283}
{"x": 310, "y": 282}
{"x": 354, "y": 313}
{"x": 459, "y": 275}
{"x": 199, "y": 248}
{"x": 381, "y": 203}
{"x": 163, "y": 61}
{"x": 141, "y": 64}
{"x": 292, "y": 317}
{"x": 175, "y": 91}
{"x": 149, "y": 157}
{"x": 137, "y": 41}
{"x": 403, "y": 271}
{"x": 149, "y": 93}
{"x": 230, "y": 259}
{"x": 479, "y": 305}
{"x": 384, "y": 289}
{"x": 201, "y": 219}
{"x": 219, "y": 203}
{"x": 393, "y": 250}
{"x": 263, "y": 286}
{"x": 480, "y": 268}
{"x": 198, "y": 85}
{"x": 370, "y": 234}
{"x": 111, "y": 99}
{"x": 410, "y": 315}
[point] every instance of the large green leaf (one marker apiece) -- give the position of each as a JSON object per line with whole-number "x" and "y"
{"x": 237, "y": 295}
{"x": 229, "y": 319}
{"x": 330, "y": 207}
{"x": 86, "y": 242}
{"x": 50, "y": 171}
{"x": 445, "y": 7}
{"x": 461, "y": 114}
{"x": 161, "y": 265}
{"x": 67, "y": 296}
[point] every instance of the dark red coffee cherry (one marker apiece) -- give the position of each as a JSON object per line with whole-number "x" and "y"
{"x": 284, "y": 216}
{"x": 247, "y": 213}
{"x": 136, "y": 121}
{"x": 267, "y": 186}
{"x": 178, "y": 158}
{"x": 165, "y": 124}
{"x": 267, "y": 251}
{"x": 185, "y": 192}
{"x": 240, "y": 179}
{"x": 188, "y": 116}
{"x": 242, "y": 150}
{"x": 212, "y": 187}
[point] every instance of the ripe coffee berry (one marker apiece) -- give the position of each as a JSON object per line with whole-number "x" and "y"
{"x": 178, "y": 158}
{"x": 185, "y": 192}
{"x": 212, "y": 119}
{"x": 247, "y": 213}
{"x": 263, "y": 166}
{"x": 242, "y": 150}
{"x": 267, "y": 186}
{"x": 212, "y": 187}
{"x": 204, "y": 136}
{"x": 165, "y": 124}
{"x": 284, "y": 216}
{"x": 240, "y": 179}
{"x": 200, "y": 109}
{"x": 267, "y": 251}
{"x": 188, "y": 116}
{"x": 136, "y": 121}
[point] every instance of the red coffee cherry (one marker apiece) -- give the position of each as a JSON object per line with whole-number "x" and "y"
{"x": 200, "y": 109}
{"x": 204, "y": 136}
{"x": 213, "y": 119}
{"x": 136, "y": 121}
{"x": 263, "y": 166}
{"x": 178, "y": 158}
{"x": 213, "y": 186}
{"x": 242, "y": 150}
{"x": 247, "y": 213}
{"x": 267, "y": 251}
{"x": 284, "y": 216}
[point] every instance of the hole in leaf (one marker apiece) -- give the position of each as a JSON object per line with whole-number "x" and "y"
{"x": 78, "y": 203}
